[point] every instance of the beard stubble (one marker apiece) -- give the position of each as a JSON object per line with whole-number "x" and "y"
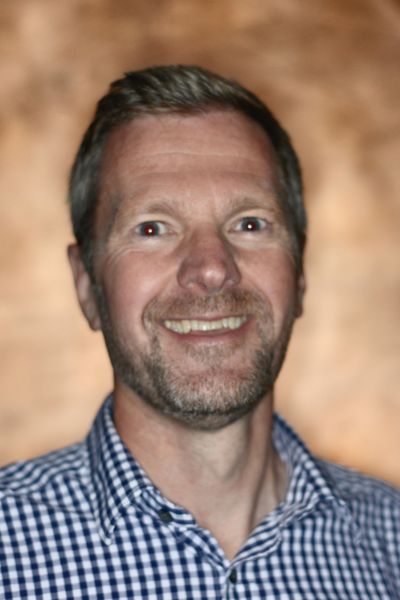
{"x": 216, "y": 395}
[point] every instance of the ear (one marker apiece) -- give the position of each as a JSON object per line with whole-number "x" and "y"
{"x": 83, "y": 287}
{"x": 301, "y": 290}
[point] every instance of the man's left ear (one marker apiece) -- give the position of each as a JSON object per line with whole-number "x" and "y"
{"x": 301, "y": 290}
{"x": 83, "y": 287}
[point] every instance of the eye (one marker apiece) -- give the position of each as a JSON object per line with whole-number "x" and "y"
{"x": 151, "y": 229}
{"x": 250, "y": 224}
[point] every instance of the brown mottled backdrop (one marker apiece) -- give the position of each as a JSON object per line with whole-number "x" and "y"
{"x": 330, "y": 70}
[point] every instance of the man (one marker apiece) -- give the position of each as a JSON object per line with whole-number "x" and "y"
{"x": 186, "y": 203}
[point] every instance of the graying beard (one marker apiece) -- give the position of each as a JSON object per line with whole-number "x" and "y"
{"x": 153, "y": 386}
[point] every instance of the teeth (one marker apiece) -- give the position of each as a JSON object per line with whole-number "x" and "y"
{"x": 188, "y": 325}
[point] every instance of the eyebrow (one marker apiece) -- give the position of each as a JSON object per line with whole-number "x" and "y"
{"x": 244, "y": 203}
{"x": 161, "y": 206}
{"x": 234, "y": 205}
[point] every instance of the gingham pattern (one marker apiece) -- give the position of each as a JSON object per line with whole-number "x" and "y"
{"x": 85, "y": 522}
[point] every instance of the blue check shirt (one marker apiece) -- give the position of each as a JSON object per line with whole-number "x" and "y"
{"x": 86, "y": 522}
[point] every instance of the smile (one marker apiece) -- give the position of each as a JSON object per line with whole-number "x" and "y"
{"x": 185, "y": 326}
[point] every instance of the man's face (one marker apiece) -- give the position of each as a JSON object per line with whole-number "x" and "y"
{"x": 196, "y": 282}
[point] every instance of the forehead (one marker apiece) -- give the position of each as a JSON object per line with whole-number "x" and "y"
{"x": 185, "y": 153}
{"x": 147, "y": 139}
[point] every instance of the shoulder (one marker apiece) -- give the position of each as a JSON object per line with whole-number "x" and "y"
{"x": 46, "y": 479}
{"x": 355, "y": 487}
{"x": 374, "y": 505}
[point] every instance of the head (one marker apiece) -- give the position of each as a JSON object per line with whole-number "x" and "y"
{"x": 187, "y": 209}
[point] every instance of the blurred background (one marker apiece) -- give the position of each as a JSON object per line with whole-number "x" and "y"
{"x": 330, "y": 72}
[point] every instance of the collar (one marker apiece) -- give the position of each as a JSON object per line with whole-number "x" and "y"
{"x": 308, "y": 484}
{"x": 118, "y": 482}
{"x": 117, "y": 479}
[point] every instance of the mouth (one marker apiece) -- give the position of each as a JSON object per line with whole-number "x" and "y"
{"x": 187, "y": 326}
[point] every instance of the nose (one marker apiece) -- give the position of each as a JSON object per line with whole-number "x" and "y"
{"x": 208, "y": 265}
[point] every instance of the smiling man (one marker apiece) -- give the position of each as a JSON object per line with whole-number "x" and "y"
{"x": 187, "y": 209}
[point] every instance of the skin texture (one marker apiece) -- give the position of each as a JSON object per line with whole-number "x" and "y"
{"x": 189, "y": 228}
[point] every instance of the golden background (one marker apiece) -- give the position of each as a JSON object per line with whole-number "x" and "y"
{"x": 330, "y": 71}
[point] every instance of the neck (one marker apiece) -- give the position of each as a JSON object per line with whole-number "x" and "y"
{"x": 229, "y": 479}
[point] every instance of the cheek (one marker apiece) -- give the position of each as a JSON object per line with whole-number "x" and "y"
{"x": 274, "y": 275}
{"x": 130, "y": 284}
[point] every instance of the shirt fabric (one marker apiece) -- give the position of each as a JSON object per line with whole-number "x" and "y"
{"x": 86, "y": 522}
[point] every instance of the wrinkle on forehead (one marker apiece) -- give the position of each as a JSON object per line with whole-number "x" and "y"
{"x": 193, "y": 132}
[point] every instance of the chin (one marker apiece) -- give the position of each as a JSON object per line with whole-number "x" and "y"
{"x": 205, "y": 402}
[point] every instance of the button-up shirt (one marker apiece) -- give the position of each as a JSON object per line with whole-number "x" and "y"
{"x": 86, "y": 522}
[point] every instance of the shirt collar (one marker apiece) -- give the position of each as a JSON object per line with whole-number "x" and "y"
{"x": 308, "y": 491}
{"x": 308, "y": 484}
{"x": 118, "y": 481}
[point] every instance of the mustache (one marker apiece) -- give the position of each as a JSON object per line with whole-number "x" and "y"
{"x": 186, "y": 305}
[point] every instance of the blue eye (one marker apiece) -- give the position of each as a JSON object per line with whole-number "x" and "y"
{"x": 151, "y": 229}
{"x": 251, "y": 224}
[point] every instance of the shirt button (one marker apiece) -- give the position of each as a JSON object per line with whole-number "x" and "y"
{"x": 233, "y": 576}
{"x": 165, "y": 515}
